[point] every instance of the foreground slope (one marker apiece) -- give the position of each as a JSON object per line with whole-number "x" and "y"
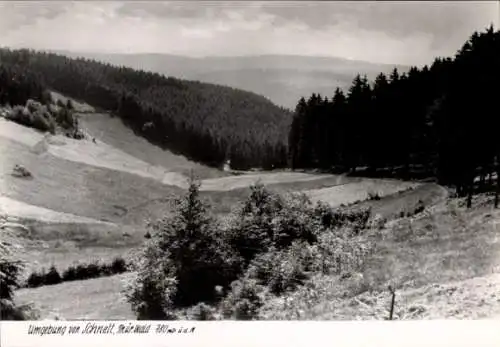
{"x": 443, "y": 263}
{"x": 108, "y": 291}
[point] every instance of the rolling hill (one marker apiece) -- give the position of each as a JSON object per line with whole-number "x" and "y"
{"x": 283, "y": 79}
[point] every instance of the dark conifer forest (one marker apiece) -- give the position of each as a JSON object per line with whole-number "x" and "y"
{"x": 440, "y": 121}
{"x": 207, "y": 123}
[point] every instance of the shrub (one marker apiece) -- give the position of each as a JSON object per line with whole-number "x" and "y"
{"x": 378, "y": 222}
{"x": 93, "y": 270}
{"x": 34, "y": 115}
{"x": 78, "y": 272}
{"x": 21, "y": 115}
{"x": 106, "y": 269}
{"x": 339, "y": 254}
{"x": 252, "y": 229}
{"x": 81, "y": 272}
{"x": 42, "y": 120}
{"x": 267, "y": 220}
{"x": 152, "y": 291}
{"x": 280, "y": 271}
{"x": 243, "y": 302}
{"x": 9, "y": 277}
{"x": 342, "y": 217}
{"x": 52, "y": 277}
{"x": 202, "y": 312}
{"x": 118, "y": 266}
{"x": 36, "y": 279}
{"x": 10, "y": 269}
{"x": 69, "y": 274}
{"x": 296, "y": 220}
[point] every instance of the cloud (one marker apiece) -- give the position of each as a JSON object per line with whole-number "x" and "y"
{"x": 404, "y": 33}
{"x": 16, "y": 14}
{"x": 442, "y": 22}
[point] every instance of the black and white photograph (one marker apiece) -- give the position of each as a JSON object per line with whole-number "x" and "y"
{"x": 249, "y": 161}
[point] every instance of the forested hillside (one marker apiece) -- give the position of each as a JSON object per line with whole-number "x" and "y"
{"x": 281, "y": 78}
{"x": 441, "y": 120}
{"x": 18, "y": 85}
{"x": 207, "y": 123}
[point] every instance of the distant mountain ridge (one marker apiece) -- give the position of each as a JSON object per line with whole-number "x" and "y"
{"x": 283, "y": 79}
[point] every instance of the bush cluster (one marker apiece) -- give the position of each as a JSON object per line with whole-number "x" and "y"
{"x": 76, "y": 273}
{"x": 33, "y": 115}
{"x": 46, "y": 117}
{"x": 268, "y": 246}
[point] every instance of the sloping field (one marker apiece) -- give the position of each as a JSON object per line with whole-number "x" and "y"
{"x": 86, "y": 152}
{"x": 112, "y": 131}
{"x": 11, "y": 207}
{"x": 76, "y": 188}
{"x": 443, "y": 263}
{"x": 405, "y": 202}
{"x": 99, "y": 299}
{"x": 77, "y": 105}
{"x": 357, "y": 191}
{"x": 244, "y": 181}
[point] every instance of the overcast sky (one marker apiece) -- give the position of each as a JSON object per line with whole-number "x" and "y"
{"x": 390, "y": 32}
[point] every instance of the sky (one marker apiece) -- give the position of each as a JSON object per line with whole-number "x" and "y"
{"x": 409, "y": 33}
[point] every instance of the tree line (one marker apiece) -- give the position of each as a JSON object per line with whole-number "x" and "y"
{"x": 438, "y": 121}
{"x": 207, "y": 123}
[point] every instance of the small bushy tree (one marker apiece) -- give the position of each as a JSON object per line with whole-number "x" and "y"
{"x": 185, "y": 259}
{"x": 252, "y": 229}
{"x": 53, "y": 276}
{"x": 153, "y": 289}
{"x": 69, "y": 274}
